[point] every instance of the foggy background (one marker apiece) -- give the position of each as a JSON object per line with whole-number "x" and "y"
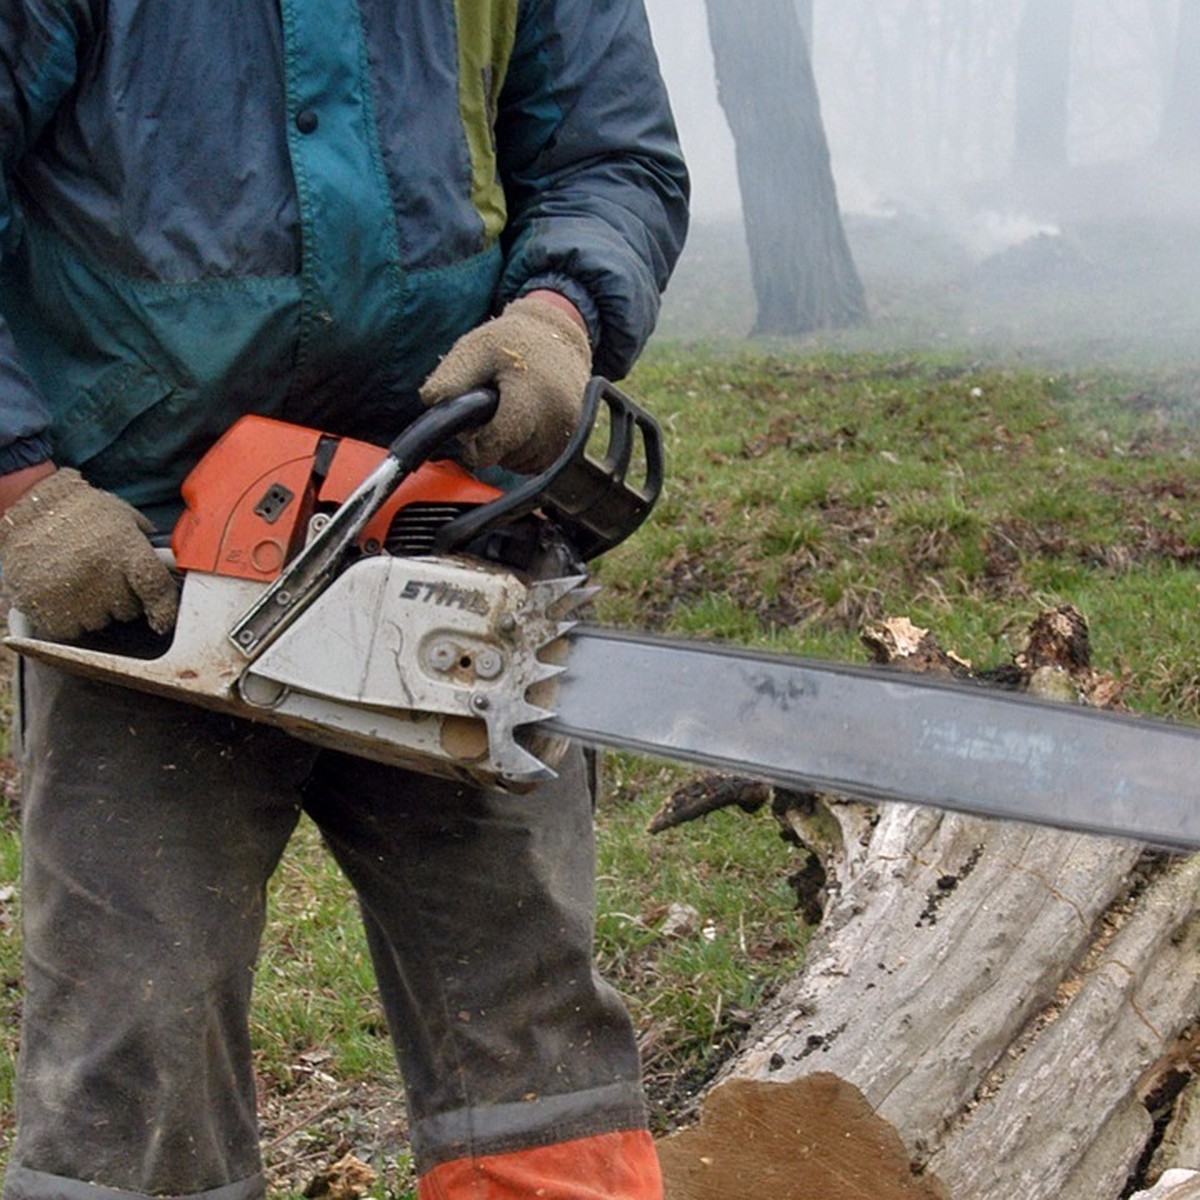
{"x": 919, "y": 110}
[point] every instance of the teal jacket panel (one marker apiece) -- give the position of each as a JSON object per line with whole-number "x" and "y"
{"x": 293, "y": 207}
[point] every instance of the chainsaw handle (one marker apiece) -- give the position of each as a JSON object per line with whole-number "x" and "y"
{"x": 439, "y": 423}
{"x": 597, "y": 495}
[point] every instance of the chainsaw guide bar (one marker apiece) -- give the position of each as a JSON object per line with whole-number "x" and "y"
{"x": 874, "y": 733}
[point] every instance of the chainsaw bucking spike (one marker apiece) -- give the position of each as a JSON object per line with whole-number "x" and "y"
{"x": 524, "y": 713}
{"x": 544, "y": 775}
{"x": 526, "y": 768}
{"x": 543, "y": 671}
{"x": 546, "y": 594}
{"x": 578, "y": 597}
{"x": 546, "y": 591}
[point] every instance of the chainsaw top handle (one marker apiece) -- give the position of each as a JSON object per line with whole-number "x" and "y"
{"x": 597, "y": 494}
{"x": 447, "y": 419}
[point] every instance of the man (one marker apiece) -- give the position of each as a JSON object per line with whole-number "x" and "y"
{"x": 297, "y": 208}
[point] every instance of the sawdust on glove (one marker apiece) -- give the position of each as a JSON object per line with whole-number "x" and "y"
{"x": 76, "y": 558}
{"x": 539, "y": 360}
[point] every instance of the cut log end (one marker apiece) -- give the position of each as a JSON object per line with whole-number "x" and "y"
{"x": 814, "y": 1138}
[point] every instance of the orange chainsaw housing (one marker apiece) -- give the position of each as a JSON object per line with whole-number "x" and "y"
{"x": 250, "y": 498}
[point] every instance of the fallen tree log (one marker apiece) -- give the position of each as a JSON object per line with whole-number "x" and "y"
{"x": 988, "y": 1010}
{"x": 1174, "y": 1185}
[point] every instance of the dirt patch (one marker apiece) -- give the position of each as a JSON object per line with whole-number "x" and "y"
{"x": 308, "y": 1131}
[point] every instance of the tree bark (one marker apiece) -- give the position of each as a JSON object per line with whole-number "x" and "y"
{"x": 802, "y": 270}
{"x": 1042, "y": 89}
{"x": 988, "y": 1010}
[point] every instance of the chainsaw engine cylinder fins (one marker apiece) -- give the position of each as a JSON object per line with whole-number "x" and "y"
{"x": 414, "y": 528}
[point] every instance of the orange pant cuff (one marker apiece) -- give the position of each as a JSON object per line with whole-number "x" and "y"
{"x": 607, "y": 1166}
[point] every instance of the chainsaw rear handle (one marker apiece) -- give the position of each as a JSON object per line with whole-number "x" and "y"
{"x": 596, "y": 495}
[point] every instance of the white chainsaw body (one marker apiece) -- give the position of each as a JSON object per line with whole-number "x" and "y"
{"x": 442, "y": 665}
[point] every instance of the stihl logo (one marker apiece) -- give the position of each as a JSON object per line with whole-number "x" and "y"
{"x": 446, "y": 595}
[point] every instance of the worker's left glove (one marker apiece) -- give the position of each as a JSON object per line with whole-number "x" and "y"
{"x": 76, "y": 557}
{"x": 539, "y": 360}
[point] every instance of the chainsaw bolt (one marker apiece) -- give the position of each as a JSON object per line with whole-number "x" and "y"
{"x": 480, "y": 703}
{"x": 488, "y": 664}
{"x": 284, "y": 598}
{"x": 507, "y": 624}
{"x": 442, "y": 656}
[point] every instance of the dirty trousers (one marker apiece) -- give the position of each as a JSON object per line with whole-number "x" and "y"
{"x": 150, "y": 830}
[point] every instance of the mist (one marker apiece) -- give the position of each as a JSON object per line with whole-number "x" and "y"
{"x": 956, "y": 239}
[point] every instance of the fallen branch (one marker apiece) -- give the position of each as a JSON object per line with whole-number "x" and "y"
{"x": 707, "y": 794}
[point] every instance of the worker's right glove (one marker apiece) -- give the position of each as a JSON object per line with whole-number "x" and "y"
{"x": 76, "y": 558}
{"x": 539, "y": 360}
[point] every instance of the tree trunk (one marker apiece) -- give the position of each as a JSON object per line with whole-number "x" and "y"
{"x": 1180, "y": 133}
{"x": 802, "y": 269}
{"x": 804, "y": 12}
{"x": 1042, "y": 89}
{"x": 988, "y": 1011}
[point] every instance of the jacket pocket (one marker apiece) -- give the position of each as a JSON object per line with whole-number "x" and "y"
{"x": 98, "y": 418}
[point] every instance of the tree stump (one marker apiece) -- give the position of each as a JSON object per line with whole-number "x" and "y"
{"x": 988, "y": 1010}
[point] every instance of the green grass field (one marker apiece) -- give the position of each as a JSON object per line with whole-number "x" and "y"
{"x": 812, "y": 488}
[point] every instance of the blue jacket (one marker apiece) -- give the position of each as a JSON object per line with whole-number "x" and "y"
{"x": 293, "y": 207}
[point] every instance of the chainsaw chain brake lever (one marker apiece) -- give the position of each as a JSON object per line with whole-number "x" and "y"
{"x": 598, "y": 491}
{"x": 307, "y": 574}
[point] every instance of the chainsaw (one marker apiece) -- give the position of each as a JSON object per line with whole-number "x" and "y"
{"x": 386, "y": 602}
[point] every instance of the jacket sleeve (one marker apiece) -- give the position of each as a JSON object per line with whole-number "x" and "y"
{"x": 596, "y": 187}
{"x": 38, "y": 39}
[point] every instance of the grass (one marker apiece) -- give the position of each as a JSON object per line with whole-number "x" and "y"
{"x": 694, "y": 929}
{"x": 812, "y": 489}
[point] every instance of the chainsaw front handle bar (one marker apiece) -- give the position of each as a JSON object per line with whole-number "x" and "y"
{"x": 441, "y": 422}
{"x": 600, "y": 489}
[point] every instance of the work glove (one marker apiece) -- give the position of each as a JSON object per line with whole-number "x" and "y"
{"x": 76, "y": 558}
{"x": 539, "y": 360}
